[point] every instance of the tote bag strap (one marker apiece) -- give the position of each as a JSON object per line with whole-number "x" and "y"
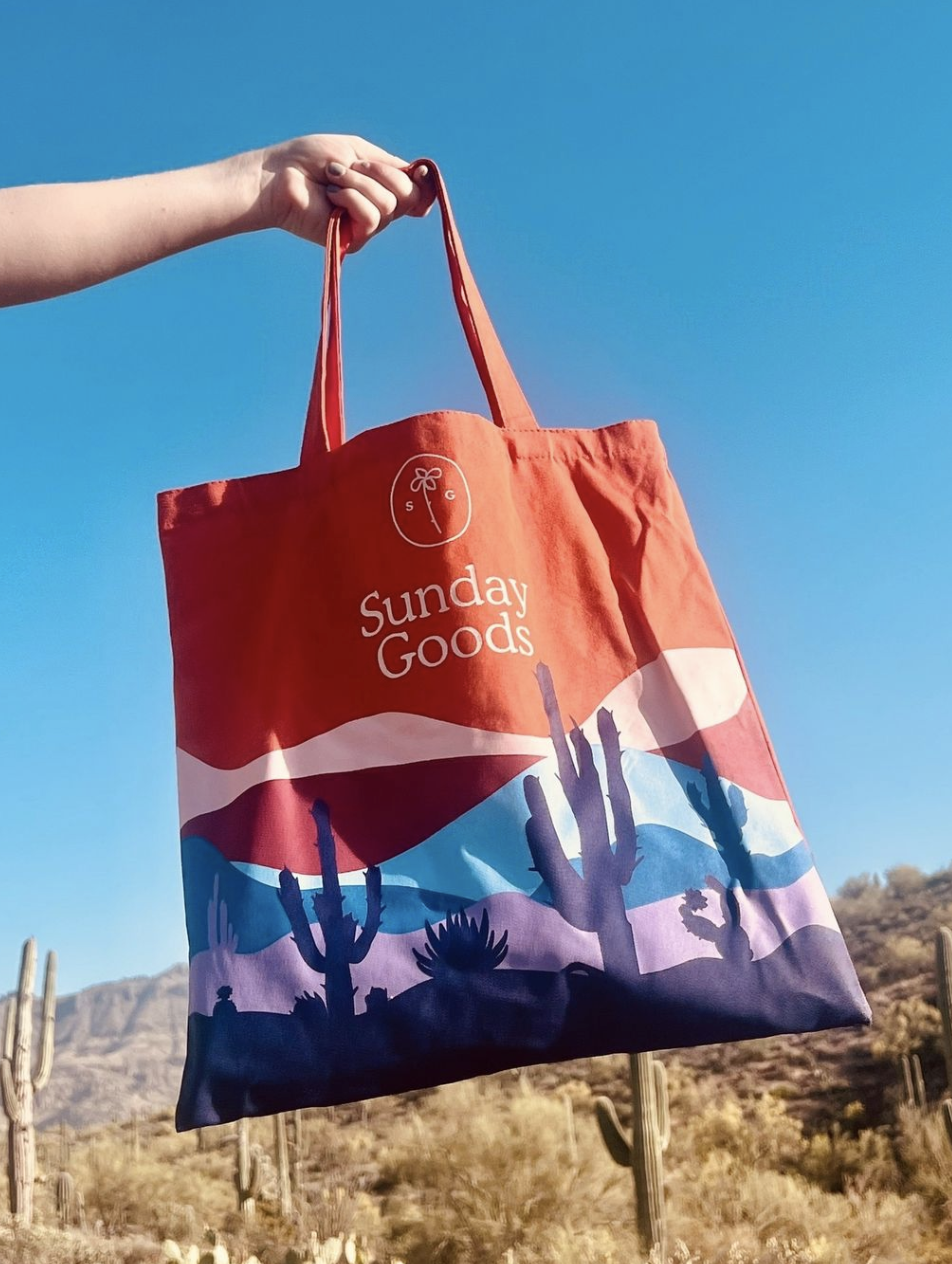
{"x": 324, "y": 428}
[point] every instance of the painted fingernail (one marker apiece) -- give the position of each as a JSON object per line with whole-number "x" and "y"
{"x": 335, "y": 169}
{"x": 332, "y": 188}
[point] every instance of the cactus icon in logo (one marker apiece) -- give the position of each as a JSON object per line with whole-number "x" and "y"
{"x": 429, "y": 501}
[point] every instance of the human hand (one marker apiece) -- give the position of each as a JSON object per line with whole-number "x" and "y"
{"x": 301, "y": 181}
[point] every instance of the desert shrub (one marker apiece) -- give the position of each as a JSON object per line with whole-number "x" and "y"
{"x": 760, "y": 1132}
{"x": 44, "y": 1246}
{"x": 904, "y": 957}
{"x": 483, "y": 1173}
{"x": 837, "y": 1160}
{"x": 163, "y": 1193}
{"x": 903, "y": 881}
{"x": 905, "y": 1027}
{"x": 759, "y": 1214}
{"x": 861, "y": 885}
{"x": 926, "y": 1160}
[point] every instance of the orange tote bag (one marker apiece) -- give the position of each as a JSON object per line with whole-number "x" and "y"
{"x": 471, "y": 775}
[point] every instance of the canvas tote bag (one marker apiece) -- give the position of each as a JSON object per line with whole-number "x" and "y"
{"x": 471, "y": 775}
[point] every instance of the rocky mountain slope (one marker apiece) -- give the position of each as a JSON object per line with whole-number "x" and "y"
{"x": 119, "y": 1049}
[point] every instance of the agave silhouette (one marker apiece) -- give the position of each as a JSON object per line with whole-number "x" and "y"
{"x": 463, "y": 944}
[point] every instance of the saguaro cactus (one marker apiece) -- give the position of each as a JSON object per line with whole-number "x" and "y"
{"x": 20, "y": 1081}
{"x": 282, "y": 1164}
{"x": 70, "y": 1204}
{"x": 913, "y": 1083}
{"x": 593, "y": 900}
{"x": 343, "y": 945}
{"x": 247, "y": 1173}
{"x": 651, "y": 1131}
{"x": 943, "y": 971}
{"x": 297, "y": 1166}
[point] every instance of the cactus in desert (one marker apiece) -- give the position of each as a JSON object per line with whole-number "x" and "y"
{"x": 283, "y": 1165}
{"x": 943, "y": 971}
{"x": 346, "y": 943}
{"x": 914, "y": 1086}
{"x": 21, "y": 1081}
{"x": 297, "y": 1165}
{"x": 651, "y": 1131}
{"x": 70, "y": 1204}
{"x": 593, "y": 900}
{"x": 247, "y": 1173}
{"x": 335, "y": 1250}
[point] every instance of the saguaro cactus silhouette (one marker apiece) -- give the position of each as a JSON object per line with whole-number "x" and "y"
{"x": 343, "y": 945}
{"x": 593, "y": 900}
{"x": 650, "y": 1134}
{"x": 724, "y": 816}
{"x": 20, "y": 1081}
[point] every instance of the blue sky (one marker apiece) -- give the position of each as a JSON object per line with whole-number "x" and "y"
{"x": 734, "y": 218}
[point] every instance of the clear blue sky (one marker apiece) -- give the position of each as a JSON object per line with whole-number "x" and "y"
{"x": 734, "y": 217}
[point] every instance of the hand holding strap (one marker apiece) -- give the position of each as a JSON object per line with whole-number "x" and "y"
{"x": 324, "y": 428}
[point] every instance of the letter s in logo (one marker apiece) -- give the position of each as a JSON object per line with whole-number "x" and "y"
{"x": 429, "y": 501}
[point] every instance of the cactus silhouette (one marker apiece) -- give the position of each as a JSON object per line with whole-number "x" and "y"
{"x": 377, "y": 1000}
{"x": 461, "y": 944}
{"x": 651, "y": 1131}
{"x": 728, "y": 936}
{"x": 593, "y": 900}
{"x": 19, "y": 1082}
{"x": 221, "y": 933}
{"x": 345, "y": 942}
{"x": 723, "y": 815}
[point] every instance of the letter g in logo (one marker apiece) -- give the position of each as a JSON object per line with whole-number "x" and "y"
{"x": 429, "y": 501}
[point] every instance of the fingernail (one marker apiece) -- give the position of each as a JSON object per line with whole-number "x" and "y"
{"x": 422, "y": 171}
{"x": 335, "y": 169}
{"x": 332, "y": 188}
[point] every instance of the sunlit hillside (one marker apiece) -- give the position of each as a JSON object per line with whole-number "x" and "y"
{"x": 798, "y": 1150}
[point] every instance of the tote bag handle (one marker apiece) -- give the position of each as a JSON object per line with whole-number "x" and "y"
{"x": 324, "y": 427}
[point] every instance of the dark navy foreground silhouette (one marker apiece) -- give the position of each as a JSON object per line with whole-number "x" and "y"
{"x": 470, "y": 1013}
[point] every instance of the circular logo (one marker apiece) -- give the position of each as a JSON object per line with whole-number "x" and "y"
{"x": 429, "y": 500}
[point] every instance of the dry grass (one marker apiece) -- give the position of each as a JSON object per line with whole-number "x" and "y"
{"x": 498, "y": 1172}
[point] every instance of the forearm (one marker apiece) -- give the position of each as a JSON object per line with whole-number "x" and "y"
{"x": 58, "y": 238}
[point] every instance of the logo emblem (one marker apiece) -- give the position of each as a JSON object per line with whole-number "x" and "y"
{"x": 429, "y": 501}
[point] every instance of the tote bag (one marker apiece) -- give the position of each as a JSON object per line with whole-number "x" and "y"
{"x": 471, "y": 775}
